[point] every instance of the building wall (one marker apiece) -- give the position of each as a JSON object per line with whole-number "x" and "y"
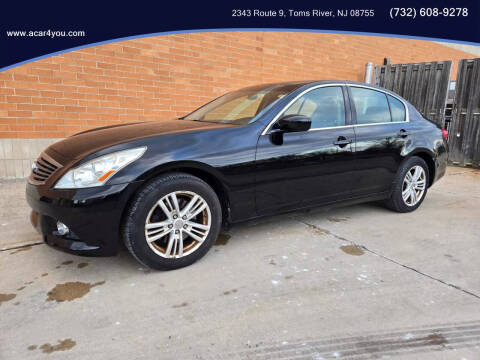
{"x": 472, "y": 49}
{"x": 167, "y": 76}
{"x": 17, "y": 155}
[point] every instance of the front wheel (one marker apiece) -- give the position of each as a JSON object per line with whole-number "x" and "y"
{"x": 172, "y": 222}
{"x": 410, "y": 186}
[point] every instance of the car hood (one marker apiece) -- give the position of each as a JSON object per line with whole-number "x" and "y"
{"x": 90, "y": 141}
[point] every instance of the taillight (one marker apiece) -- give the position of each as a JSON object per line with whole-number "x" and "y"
{"x": 445, "y": 134}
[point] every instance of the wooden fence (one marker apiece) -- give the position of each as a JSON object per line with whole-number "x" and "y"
{"x": 424, "y": 85}
{"x": 464, "y": 135}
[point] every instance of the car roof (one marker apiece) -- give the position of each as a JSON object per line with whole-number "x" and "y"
{"x": 305, "y": 84}
{"x": 345, "y": 82}
{"x": 350, "y": 82}
{"x": 302, "y": 83}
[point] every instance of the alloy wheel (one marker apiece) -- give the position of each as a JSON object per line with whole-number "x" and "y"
{"x": 414, "y": 185}
{"x": 177, "y": 224}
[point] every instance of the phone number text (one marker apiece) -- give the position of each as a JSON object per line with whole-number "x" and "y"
{"x": 411, "y": 12}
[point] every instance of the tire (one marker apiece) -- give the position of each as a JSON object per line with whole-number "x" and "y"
{"x": 396, "y": 201}
{"x": 145, "y": 210}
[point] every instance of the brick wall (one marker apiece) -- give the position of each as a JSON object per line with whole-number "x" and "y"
{"x": 167, "y": 76}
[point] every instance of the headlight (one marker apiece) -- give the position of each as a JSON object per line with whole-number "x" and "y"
{"x": 97, "y": 171}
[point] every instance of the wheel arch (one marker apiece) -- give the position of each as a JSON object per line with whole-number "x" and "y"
{"x": 429, "y": 157}
{"x": 203, "y": 171}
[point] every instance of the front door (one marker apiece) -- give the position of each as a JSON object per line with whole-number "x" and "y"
{"x": 311, "y": 167}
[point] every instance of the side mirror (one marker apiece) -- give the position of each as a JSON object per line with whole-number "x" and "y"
{"x": 294, "y": 123}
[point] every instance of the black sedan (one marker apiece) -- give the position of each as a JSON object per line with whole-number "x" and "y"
{"x": 167, "y": 187}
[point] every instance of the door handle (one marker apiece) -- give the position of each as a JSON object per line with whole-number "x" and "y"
{"x": 342, "y": 141}
{"x": 403, "y": 133}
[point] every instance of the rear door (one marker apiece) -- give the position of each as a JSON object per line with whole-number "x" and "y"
{"x": 382, "y": 131}
{"x": 310, "y": 167}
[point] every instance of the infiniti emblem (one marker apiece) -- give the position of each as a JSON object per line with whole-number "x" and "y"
{"x": 34, "y": 166}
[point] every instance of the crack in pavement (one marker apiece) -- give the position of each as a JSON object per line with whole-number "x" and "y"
{"x": 22, "y": 246}
{"x": 325, "y": 231}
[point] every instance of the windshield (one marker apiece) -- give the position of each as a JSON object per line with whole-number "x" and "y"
{"x": 242, "y": 106}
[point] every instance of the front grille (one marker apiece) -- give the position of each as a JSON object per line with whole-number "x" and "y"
{"x": 42, "y": 169}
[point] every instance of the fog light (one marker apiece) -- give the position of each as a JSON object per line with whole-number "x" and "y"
{"x": 62, "y": 229}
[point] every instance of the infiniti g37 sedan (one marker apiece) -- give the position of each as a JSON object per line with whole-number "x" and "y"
{"x": 167, "y": 187}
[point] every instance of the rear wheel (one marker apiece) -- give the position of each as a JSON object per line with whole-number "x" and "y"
{"x": 172, "y": 222}
{"x": 410, "y": 186}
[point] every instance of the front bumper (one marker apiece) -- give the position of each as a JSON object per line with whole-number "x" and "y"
{"x": 93, "y": 216}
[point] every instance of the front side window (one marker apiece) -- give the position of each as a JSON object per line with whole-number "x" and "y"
{"x": 324, "y": 106}
{"x": 371, "y": 106}
{"x": 397, "y": 109}
{"x": 243, "y": 106}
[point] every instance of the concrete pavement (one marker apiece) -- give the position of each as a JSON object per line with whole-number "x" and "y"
{"x": 359, "y": 282}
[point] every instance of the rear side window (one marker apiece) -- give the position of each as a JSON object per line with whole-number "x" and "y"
{"x": 324, "y": 106}
{"x": 371, "y": 106}
{"x": 397, "y": 109}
